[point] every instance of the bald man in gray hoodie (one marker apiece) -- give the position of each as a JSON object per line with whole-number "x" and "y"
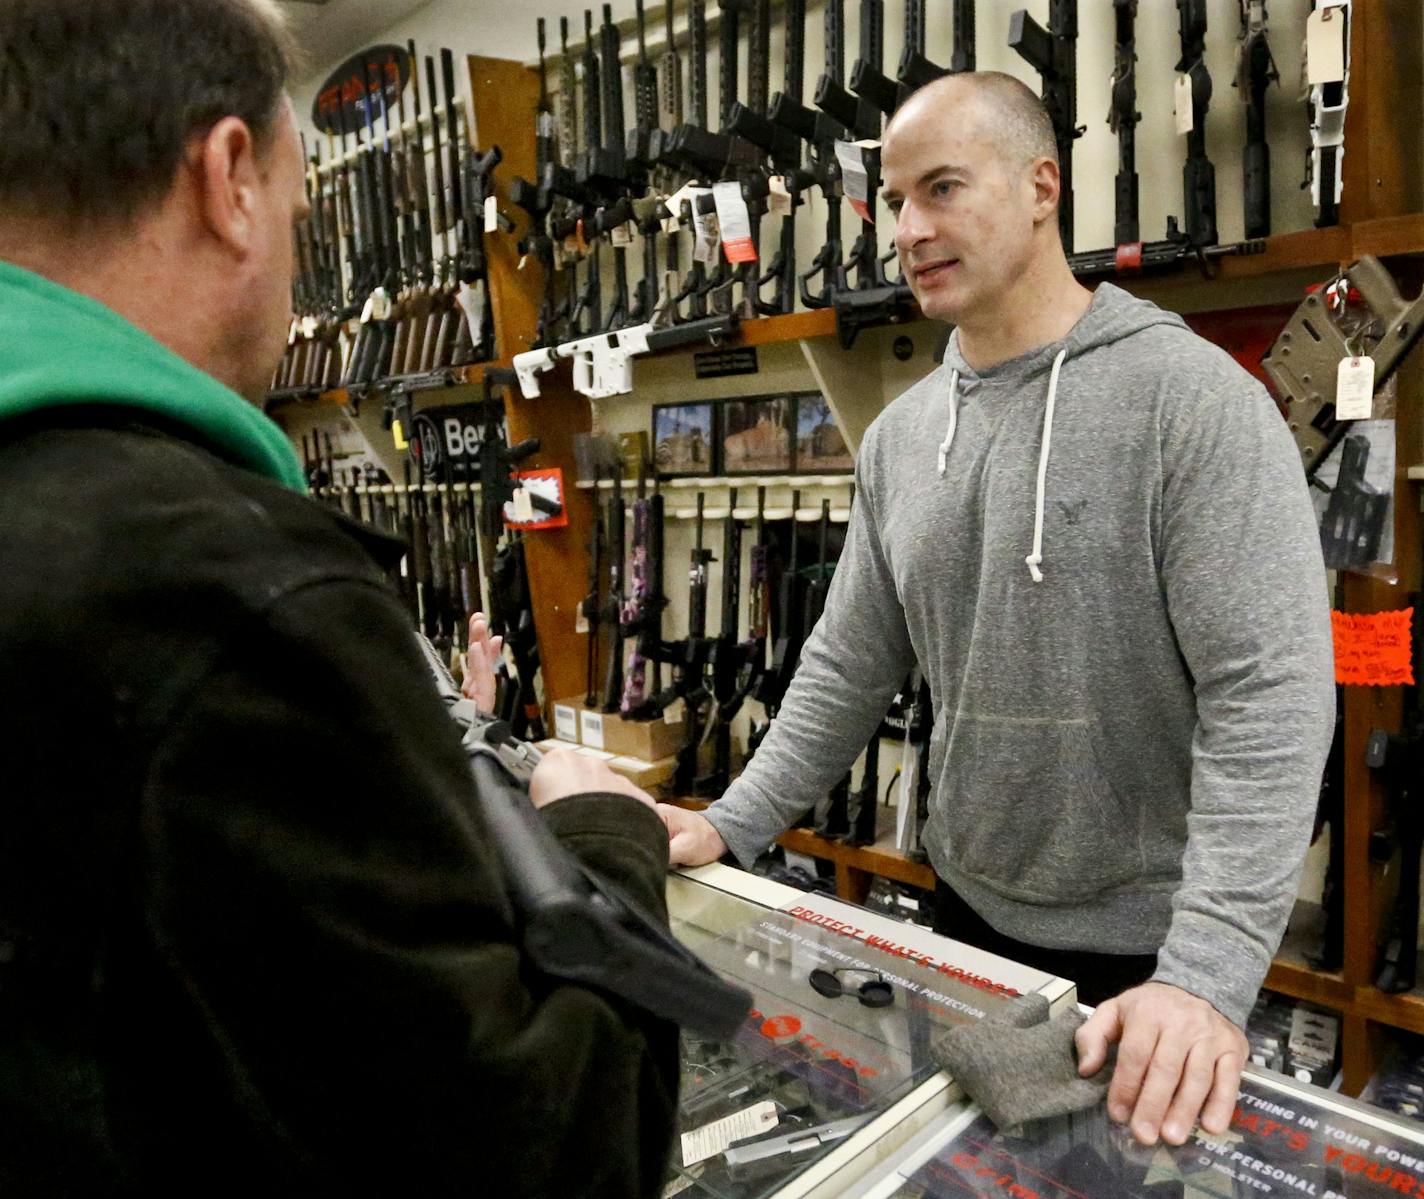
{"x": 1091, "y": 530}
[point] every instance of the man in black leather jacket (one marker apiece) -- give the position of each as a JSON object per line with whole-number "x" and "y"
{"x": 253, "y": 935}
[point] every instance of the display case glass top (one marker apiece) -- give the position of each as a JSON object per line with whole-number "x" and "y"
{"x": 846, "y": 1006}
{"x": 1286, "y": 1138}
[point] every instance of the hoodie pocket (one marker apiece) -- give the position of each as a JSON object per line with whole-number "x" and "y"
{"x": 1028, "y": 810}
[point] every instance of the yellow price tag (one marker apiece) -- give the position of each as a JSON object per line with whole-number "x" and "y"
{"x": 399, "y": 434}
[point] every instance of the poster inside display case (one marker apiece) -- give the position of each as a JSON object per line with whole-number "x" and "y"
{"x": 820, "y": 1070}
{"x": 1286, "y": 1139}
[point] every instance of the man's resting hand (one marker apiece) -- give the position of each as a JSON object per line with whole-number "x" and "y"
{"x": 564, "y": 772}
{"x": 692, "y": 841}
{"x": 1178, "y": 1058}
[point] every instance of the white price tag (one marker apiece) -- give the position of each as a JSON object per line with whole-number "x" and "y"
{"x": 622, "y": 235}
{"x": 523, "y": 262}
{"x": 581, "y": 624}
{"x": 1355, "y": 389}
{"x": 591, "y": 729}
{"x": 523, "y": 506}
{"x": 565, "y": 722}
{"x": 472, "y": 303}
{"x": 778, "y": 202}
{"x": 734, "y": 221}
{"x": 672, "y": 714}
{"x": 292, "y": 332}
{"x": 1325, "y": 46}
{"x": 670, "y": 223}
{"x": 1182, "y": 103}
{"x": 855, "y": 179}
{"x": 491, "y": 213}
{"x": 704, "y": 224}
{"x": 712, "y": 1139}
{"x": 675, "y": 201}
{"x": 308, "y": 327}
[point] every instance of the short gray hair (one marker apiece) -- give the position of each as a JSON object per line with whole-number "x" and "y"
{"x": 1018, "y": 123}
{"x": 99, "y": 98}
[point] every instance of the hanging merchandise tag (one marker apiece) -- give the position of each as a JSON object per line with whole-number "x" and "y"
{"x": 855, "y": 179}
{"x": 704, "y": 224}
{"x": 1182, "y": 102}
{"x": 672, "y": 714}
{"x": 622, "y": 235}
{"x": 523, "y": 506}
{"x": 778, "y": 202}
{"x": 292, "y": 332}
{"x": 580, "y": 624}
{"x": 472, "y": 302}
{"x": 734, "y": 221}
{"x": 674, "y": 202}
{"x": 1355, "y": 389}
{"x": 712, "y": 1139}
{"x": 1325, "y": 46}
{"x": 309, "y": 325}
{"x": 523, "y": 262}
{"x": 671, "y": 205}
{"x": 398, "y": 432}
{"x": 491, "y": 213}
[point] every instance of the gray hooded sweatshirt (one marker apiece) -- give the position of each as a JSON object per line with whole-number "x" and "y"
{"x": 1103, "y": 556}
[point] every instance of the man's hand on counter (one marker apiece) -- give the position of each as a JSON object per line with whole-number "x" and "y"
{"x": 564, "y": 772}
{"x": 1178, "y": 1059}
{"x": 692, "y": 841}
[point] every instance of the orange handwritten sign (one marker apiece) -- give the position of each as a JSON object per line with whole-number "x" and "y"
{"x": 1372, "y": 650}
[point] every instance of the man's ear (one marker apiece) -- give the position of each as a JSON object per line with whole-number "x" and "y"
{"x": 1047, "y": 183}
{"x": 227, "y": 177}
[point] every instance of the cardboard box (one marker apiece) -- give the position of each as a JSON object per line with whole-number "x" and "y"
{"x": 645, "y": 740}
{"x": 641, "y": 773}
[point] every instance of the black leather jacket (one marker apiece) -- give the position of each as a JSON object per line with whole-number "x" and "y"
{"x": 253, "y": 938}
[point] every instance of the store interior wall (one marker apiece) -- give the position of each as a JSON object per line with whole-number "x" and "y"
{"x": 489, "y": 28}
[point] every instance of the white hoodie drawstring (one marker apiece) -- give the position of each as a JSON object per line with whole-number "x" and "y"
{"x": 948, "y": 441}
{"x": 1035, "y": 559}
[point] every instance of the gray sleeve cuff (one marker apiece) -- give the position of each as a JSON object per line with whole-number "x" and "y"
{"x": 746, "y": 821}
{"x": 1214, "y": 961}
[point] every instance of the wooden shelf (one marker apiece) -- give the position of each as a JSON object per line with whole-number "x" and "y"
{"x": 1291, "y": 973}
{"x": 856, "y": 866}
{"x": 1399, "y": 1011}
{"x": 1313, "y": 986}
{"x": 794, "y": 326}
{"x": 742, "y": 482}
{"x": 460, "y": 376}
{"x": 337, "y": 397}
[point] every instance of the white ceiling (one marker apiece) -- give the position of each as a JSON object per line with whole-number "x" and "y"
{"x": 329, "y": 31}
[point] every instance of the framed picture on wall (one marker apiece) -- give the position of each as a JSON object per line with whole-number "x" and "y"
{"x": 820, "y": 447}
{"x": 685, "y": 438}
{"x": 756, "y": 435}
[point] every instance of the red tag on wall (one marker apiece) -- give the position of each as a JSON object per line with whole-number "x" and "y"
{"x": 1373, "y": 649}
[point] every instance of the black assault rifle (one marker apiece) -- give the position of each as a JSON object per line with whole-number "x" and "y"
{"x": 1053, "y": 53}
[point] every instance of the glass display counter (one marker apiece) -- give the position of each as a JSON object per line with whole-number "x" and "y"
{"x": 831, "y": 1072}
{"x": 1287, "y": 1138}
